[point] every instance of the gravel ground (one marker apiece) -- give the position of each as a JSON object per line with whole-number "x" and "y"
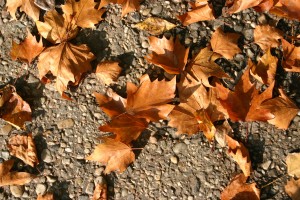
{"x": 169, "y": 166}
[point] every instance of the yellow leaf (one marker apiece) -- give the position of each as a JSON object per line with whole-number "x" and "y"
{"x": 155, "y": 25}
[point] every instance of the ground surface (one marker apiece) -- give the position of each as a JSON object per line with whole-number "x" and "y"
{"x": 169, "y": 166}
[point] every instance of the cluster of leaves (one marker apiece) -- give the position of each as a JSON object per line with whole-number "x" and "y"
{"x": 205, "y": 104}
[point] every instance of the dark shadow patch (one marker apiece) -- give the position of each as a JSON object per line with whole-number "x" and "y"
{"x": 60, "y": 190}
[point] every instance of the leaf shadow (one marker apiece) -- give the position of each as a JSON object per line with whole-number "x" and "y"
{"x": 60, "y": 190}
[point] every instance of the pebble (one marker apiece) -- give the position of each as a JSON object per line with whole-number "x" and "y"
{"x": 174, "y": 159}
{"x": 156, "y": 10}
{"x": 5, "y": 155}
{"x": 46, "y": 156}
{"x": 40, "y": 189}
{"x": 152, "y": 140}
{"x": 66, "y": 123}
{"x": 179, "y": 148}
{"x": 145, "y": 44}
{"x": 17, "y": 190}
{"x": 1, "y": 40}
{"x": 124, "y": 192}
{"x": 90, "y": 188}
{"x": 266, "y": 165}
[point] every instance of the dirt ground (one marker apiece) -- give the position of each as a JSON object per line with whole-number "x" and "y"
{"x": 169, "y": 166}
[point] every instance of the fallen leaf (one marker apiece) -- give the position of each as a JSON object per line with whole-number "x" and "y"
{"x": 287, "y": 8}
{"x": 265, "y": 70}
{"x": 238, "y": 189}
{"x": 167, "y": 54}
{"x": 244, "y": 103}
{"x": 239, "y": 5}
{"x": 57, "y": 28}
{"x": 125, "y": 127}
{"x": 155, "y": 25}
{"x": 13, "y": 108}
{"x": 127, "y": 5}
{"x": 67, "y": 62}
{"x": 221, "y": 132}
{"x": 83, "y": 12}
{"x": 265, "y": 5}
{"x": 292, "y": 188}
{"x": 202, "y": 67}
{"x": 27, "y": 50}
{"x": 201, "y": 11}
{"x": 291, "y": 55}
{"x": 100, "y": 192}
{"x": 13, "y": 178}
{"x": 114, "y": 154}
{"x": 47, "y": 196}
{"x": 292, "y": 162}
{"x": 239, "y": 154}
{"x": 108, "y": 72}
{"x": 225, "y": 43}
{"x": 27, "y": 6}
{"x": 267, "y": 36}
{"x": 283, "y": 108}
{"x": 23, "y": 147}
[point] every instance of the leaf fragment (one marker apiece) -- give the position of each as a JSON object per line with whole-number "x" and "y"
{"x": 114, "y": 154}
{"x": 291, "y": 55}
{"x": 292, "y": 162}
{"x": 267, "y": 36}
{"x": 128, "y": 6}
{"x": 292, "y": 188}
{"x": 28, "y": 6}
{"x": 239, "y": 5}
{"x": 47, "y": 196}
{"x": 155, "y": 25}
{"x": 100, "y": 192}
{"x": 108, "y": 72}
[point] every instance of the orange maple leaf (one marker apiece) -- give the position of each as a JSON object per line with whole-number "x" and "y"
{"x": 267, "y": 36}
{"x": 27, "y": 6}
{"x": 291, "y": 55}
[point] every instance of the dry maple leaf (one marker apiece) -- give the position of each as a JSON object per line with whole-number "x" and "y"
{"x": 47, "y": 196}
{"x": 27, "y": 6}
{"x": 27, "y": 50}
{"x": 244, "y": 103}
{"x": 127, "y": 5}
{"x": 267, "y": 36}
{"x": 265, "y": 69}
{"x": 167, "y": 54}
{"x": 292, "y": 188}
{"x": 283, "y": 108}
{"x": 67, "y": 62}
{"x": 238, "y": 189}
{"x": 240, "y": 154}
{"x": 287, "y": 8}
{"x": 13, "y": 108}
{"x": 83, "y": 12}
{"x": 291, "y": 55}
{"x": 114, "y": 154}
{"x": 265, "y": 5}
{"x": 292, "y": 162}
{"x": 201, "y": 11}
{"x": 225, "y": 43}
{"x": 108, "y": 72}
{"x": 13, "y": 178}
{"x": 100, "y": 192}
{"x": 239, "y": 5}
{"x": 23, "y": 147}
{"x": 155, "y": 25}
{"x": 202, "y": 67}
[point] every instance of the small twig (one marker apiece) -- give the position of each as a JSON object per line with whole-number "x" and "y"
{"x": 273, "y": 181}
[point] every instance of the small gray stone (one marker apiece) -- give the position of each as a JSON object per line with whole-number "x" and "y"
{"x": 266, "y": 165}
{"x": 124, "y": 192}
{"x": 1, "y": 40}
{"x": 262, "y": 19}
{"x": 46, "y": 156}
{"x": 156, "y": 10}
{"x": 90, "y": 188}
{"x": 5, "y": 155}
{"x": 145, "y": 44}
{"x": 5, "y": 130}
{"x": 17, "y": 190}
{"x": 179, "y": 148}
{"x": 66, "y": 123}
{"x": 40, "y": 189}
{"x": 174, "y": 159}
{"x": 152, "y": 140}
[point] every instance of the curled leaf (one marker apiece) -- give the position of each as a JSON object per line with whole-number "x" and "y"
{"x": 155, "y": 25}
{"x": 108, "y": 72}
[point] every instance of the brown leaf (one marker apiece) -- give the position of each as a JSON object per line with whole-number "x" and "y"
{"x": 57, "y": 28}
{"x": 239, "y": 154}
{"x": 291, "y": 55}
{"x": 27, "y": 6}
{"x": 13, "y": 108}
{"x": 47, "y": 196}
{"x": 13, "y": 178}
{"x": 239, "y": 5}
{"x": 27, "y": 50}
{"x": 155, "y": 25}
{"x": 108, "y": 72}
{"x": 127, "y": 5}
{"x": 23, "y": 147}
{"x": 126, "y": 127}
{"x": 282, "y": 108}
{"x": 83, "y": 12}
{"x": 267, "y": 36}
{"x": 292, "y": 162}
{"x": 201, "y": 11}
{"x": 287, "y": 8}
{"x": 100, "y": 192}
{"x": 225, "y": 43}
{"x": 45, "y": 4}
{"x": 167, "y": 54}
{"x": 244, "y": 103}
{"x": 292, "y": 188}
{"x": 265, "y": 5}
{"x": 114, "y": 154}
{"x": 202, "y": 67}
{"x": 238, "y": 189}
{"x": 265, "y": 70}
{"x": 67, "y": 62}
